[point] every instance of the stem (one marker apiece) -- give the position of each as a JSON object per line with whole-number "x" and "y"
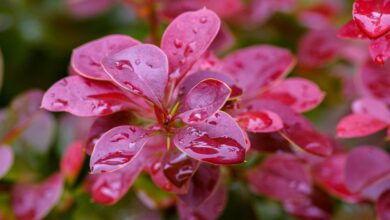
{"x": 153, "y": 22}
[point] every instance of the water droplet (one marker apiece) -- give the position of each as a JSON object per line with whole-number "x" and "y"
{"x": 190, "y": 48}
{"x": 183, "y": 61}
{"x": 178, "y": 43}
{"x": 379, "y": 60}
{"x": 124, "y": 64}
{"x": 64, "y": 82}
{"x": 119, "y": 137}
{"x": 60, "y": 103}
{"x": 156, "y": 167}
{"x": 203, "y": 20}
{"x": 132, "y": 88}
{"x": 111, "y": 161}
{"x": 195, "y": 30}
{"x": 137, "y": 62}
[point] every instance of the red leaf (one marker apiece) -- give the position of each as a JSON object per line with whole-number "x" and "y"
{"x": 357, "y": 125}
{"x": 35, "y": 201}
{"x": 383, "y": 206}
{"x": 281, "y": 176}
{"x": 351, "y": 31}
{"x": 365, "y": 166}
{"x": 380, "y": 49}
{"x": 330, "y": 174}
{"x": 86, "y": 59}
{"x": 141, "y": 69}
{"x": 88, "y": 8}
{"x": 372, "y": 107}
{"x": 193, "y": 79}
{"x": 177, "y": 167}
{"x": 260, "y": 121}
{"x": 318, "y": 47}
{"x": 203, "y": 184}
{"x": 375, "y": 81}
{"x": 256, "y": 68}
{"x": 211, "y": 209}
{"x": 84, "y": 97}
{"x": 6, "y": 158}
{"x": 372, "y": 16}
{"x": 188, "y": 37}
{"x": 317, "y": 206}
{"x": 297, "y": 129}
{"x": 203, "y": 100}
{"x": 117, "y": 148}
{"x": 103, "y": 124}
{"x": 300, "y": 94}
{"x": 72, "y": 161}
{"x": 218, "y": 140}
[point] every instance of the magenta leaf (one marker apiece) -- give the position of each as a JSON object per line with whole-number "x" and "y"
{"x": 372, "y": 107}
{"x": 297, "y": 129}
{"x": 203, "y": 184}
{"x": 84, "y": 97}
{"x": 380, "y": 49}
{"x": 359, "y": 124}
{"x": 260, "y": 121}
{"x": 211, "y": 209}
{"x": 218, "y": 140}
{"x": 102, "y": 124}
{"x": 256, "y": 68}
{"x": 35, "y": 201}
{"x": 351, "y": 31}
{"x": 372, "y": 16}
{"x": 188, "y": 37}
{"x": 178, "y": 167}
{"x": 365, "y": 166}
{"x": 72, "y": 161}
{"x": 300, "y": 94}
{"x": 193, "y": 79}
{"x": 375, "y": 81}
{"x": 88, "y": 8}
{"x": 383, "y": 206}
{"x": 141, "y": 69}
{"x": 86, "y": 59}
{"x": 203, "y": 100}
{"x": 329, "y": 173}
{"x": 6, "y": 158}
{"x": 117, "y": 148}
{"x": 318, "y": 47}
{"x": 281, "y": 176}
{"x": 317, "y": 206}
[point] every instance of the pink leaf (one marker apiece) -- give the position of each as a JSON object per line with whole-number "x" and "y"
{"x": 35, "y": 201}
{"x": 211, "y": 209}
{"x": 383, "y": 206}
{"x": 203, "y": 100}
{"x": 256, "y": 68}
{"x": 141, "y": 69}
{"x": 300, "y": 94}
{"x": 177, "y": 167}
{"x": 88, "y": 8}
{"x": 375, "y": 81}
{"x": 372, "y": 107}
{"x": 193, "y": 79}
{"x": 351, "y": 31}
{"x": 117, "y": 148}
{"x": 380, "y": 49}
{"x": 203, "y": 184}
{"x": 188, "y": 37}
{"x": 84, "y": 97}
{"x": 330, "y": 174}
{"x": 297, "y": 129}
{"x": 103, "y": 124}
{"x": 6, "y": 158}
{"x": 282, "y": 177}
{"x": 218, "y": 140}
{"x": 260, "y": 121}
{"x": 318, "y": 47}
{"x": 72, "y": 161}
{"x": 372, "y": 16}
{"x": 86, "y": 59}
{"x": 364, "y": 166}
{"x": 357, "y": 125}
